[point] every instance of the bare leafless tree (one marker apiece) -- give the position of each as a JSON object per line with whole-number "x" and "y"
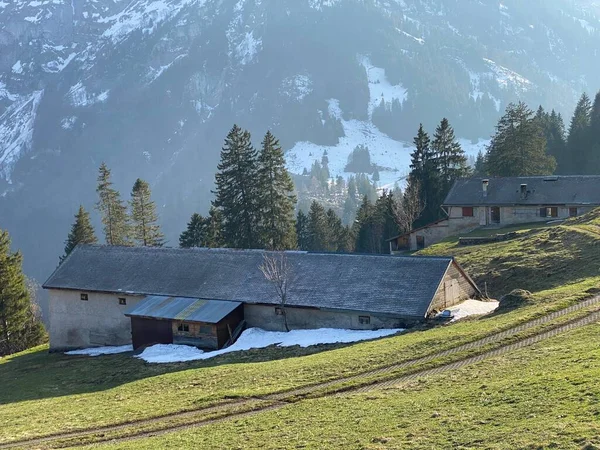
{"x": 408, "y": 208}
{"x": 277, "y": 271}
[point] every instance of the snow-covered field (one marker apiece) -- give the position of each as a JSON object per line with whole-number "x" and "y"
{"x": 392, "y": 155}
{"x": 472, "y": 308}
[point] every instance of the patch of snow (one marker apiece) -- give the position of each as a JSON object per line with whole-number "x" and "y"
{"x": 257, "y": 338}
{"x": 144, "y": 15}
{"x": 4, "y": 93}
{"x": 3, "y": 5}
{"x": 103, "y": 96}
{"x": 68, "y": 122}
{"x": 79, "y": 96}
{"x": 392, "y": 155}
{"x": 419, "y": 40}
{"x": 98, "y": 351}
{"x": 472, "y": 308}
{"x": 17, "y": 67}
{"x": 319, "y": 5}
{"x": 298, "y": 87}
{"x": 588, "y": 27}
{"x": 508, "y": 78}
{"x": 380, "y": 88}
{"x": 153, "y": 74}
{"x": 247, "y": 49}
{"x": 58, "y": 66}
{"x": 16, "y": 131}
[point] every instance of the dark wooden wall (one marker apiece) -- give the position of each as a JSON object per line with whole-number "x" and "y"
{"x": 146, "y": 332}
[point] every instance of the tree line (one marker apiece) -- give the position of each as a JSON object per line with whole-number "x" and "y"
{"x": 528, "y": 143}
{"x": 126, "y": 224}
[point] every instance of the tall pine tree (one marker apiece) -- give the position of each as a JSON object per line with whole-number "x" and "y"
{"x": 235, "y": 193}
{"x": 450, "y": 157}
{"x": 82, "y": 232}
{"x": 594, "y": 137}
{"x": 302, "y": 231}
{"x": 15, "y": 303}
{"x": 194, "y": 235}
{"x": 518, "y": 147}
{"x": 318, "y": 228}
{"x": 275, "y": 197}
{"x": 578, "y": 141}
{"x": 113, "y": 210}
{"x": 145, "y": 228}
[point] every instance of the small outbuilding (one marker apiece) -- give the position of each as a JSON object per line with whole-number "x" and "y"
{"x": 207, "y": 324}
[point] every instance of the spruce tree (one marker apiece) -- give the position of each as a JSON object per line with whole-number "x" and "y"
{"x": 235, "y": 193}
{"x": 302, "y": 231}
{"x": 576, "y": 161}
{"x": 518, "y": 147}
{"x": 366, "y": 241}
{"x": 479, "y": 169}
{"x": 82, "y": 232}
{"x": 317, "y": 228}
{"x": 594, "y": 137}
{"x": 195, "y": 234}
{"x": 113, "y": 210}
{"x": 450, "y": 157}
{"x": 15, "y": 302}
{"x": 426, "y": 173}
{"x": 275, "y": 197}
{"x": 145, "y": 228}
{"x": 214, "y": 229}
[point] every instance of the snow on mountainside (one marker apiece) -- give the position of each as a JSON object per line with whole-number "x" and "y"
{"x": 152, "y": 87}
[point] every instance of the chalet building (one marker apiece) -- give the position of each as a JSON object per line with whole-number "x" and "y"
{"x": 498, "y": 202}
{"x": 100, "y": 295}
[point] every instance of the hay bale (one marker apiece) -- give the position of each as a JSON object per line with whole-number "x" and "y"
{"x": 516, "y": 299}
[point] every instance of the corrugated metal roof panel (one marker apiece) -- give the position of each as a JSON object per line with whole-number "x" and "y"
{"x": 184, "y": 309}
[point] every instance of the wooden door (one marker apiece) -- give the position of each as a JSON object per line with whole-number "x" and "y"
{"x": 495, "y": 214}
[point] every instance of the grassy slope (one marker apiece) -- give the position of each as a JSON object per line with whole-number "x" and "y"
{"x": 542, "y": 397}
{"x": 45, "y": 393}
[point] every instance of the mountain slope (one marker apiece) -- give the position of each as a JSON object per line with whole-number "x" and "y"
{"x": 152, "y": 87}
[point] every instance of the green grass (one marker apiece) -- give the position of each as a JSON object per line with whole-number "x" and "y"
{"x": 46, "y": 393}
{"x": 542, "y": 397}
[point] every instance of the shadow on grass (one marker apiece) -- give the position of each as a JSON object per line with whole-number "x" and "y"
{"x": 38, "y": 374}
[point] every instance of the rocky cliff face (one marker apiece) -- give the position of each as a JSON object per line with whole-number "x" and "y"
{"x": 152, "y": 86}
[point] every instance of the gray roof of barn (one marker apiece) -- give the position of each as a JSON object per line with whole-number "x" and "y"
{"x": 541, "y": 191}
{"x": 184, "y": 309}
{"x": 379, "y": 284}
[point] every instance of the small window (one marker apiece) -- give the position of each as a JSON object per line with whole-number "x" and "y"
{"x": 279, "y": 311}
{"x": 122, "y": 301}
{"x": 364, "y": 320}
{"x": 467, "y": 212}
{"x": 573, "y": 212}
{"x": 184, "y": 327}
{"x": 549, "y": 212}
{"x": 84, "y": 297}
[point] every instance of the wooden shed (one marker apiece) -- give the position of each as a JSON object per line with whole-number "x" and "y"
{"x": 206, "y": 324}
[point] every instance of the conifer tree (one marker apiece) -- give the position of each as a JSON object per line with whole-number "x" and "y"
{"x": 594, "y": 137}
{"x": 235, "y": 193}
{"x": 363, "y": 227}
{"x": 318, "y": 229}
{"x": 82, "y": 232}
{"x": 480, "y": 170}
{"x": 214, "y": 229}
{"x": 145, "y": 228}
{"x": 194, "y": 235}
{"x": 518, "y": 147}
{"x": 15, "y": 302}
{"x": 450, "y": 157}
{"x": 425, "y": 172}
{"x": 576, "y": 160}
{"x": 113, "y": 210}
{"x": 275, "y": 197}
{"x": 302, "y": 231}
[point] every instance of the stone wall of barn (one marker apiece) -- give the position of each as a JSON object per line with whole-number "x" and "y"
{"x": 98, "y": 321}
{"x": 270, "y": 318}
{"x": 455, "y": 288}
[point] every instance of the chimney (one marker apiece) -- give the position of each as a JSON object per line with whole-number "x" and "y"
{"x": 484, "y": 185}
{"x": 523, "y": 191}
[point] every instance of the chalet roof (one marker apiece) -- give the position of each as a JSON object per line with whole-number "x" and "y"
{"x": 575, "y": 190}
{"x": 378, "y": 284}
{"x": 183, "y": 309}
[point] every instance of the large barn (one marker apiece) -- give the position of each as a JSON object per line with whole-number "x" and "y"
{"x": 98, "y": 291}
